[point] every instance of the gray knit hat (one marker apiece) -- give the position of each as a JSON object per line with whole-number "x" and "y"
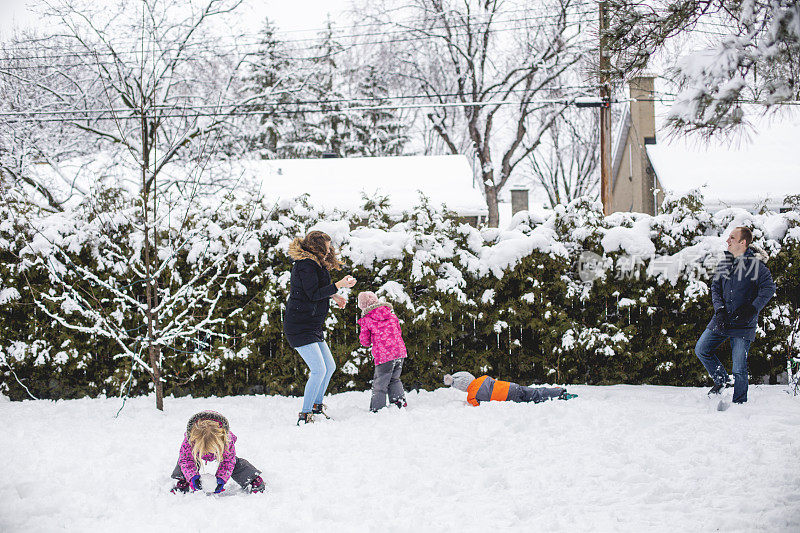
{"x": 208, "y": 415}
{"x": 459, "y": 380}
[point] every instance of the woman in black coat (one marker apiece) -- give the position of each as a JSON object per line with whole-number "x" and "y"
{"x": 309, "y": 300}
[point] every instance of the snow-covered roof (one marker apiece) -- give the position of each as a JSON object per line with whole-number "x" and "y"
{"x": 330, "y": 183}
{"x": 763, "y": 166}
{"x": 339, "y": 182}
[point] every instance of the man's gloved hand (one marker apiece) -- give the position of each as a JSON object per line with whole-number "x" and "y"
{"x": 721, "y": 321}
{"x": 743, "y": 314}
{"x": 220, "y": 486}
{"x": 195, "y": 483}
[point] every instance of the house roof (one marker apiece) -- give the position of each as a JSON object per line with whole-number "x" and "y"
{"x": 763, "y": 166}
{"x": 340, "y": 182}
{"x": 330, "y": 183}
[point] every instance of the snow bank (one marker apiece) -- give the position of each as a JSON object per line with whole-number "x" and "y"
{"x": 621, "y": 458}
{"x": 634, "y": 241}
{"x": 511, "y": 247}
{"x": 703, "y": 256}
{"x": 394, "y": 292}
{"x": 367, "y": 246}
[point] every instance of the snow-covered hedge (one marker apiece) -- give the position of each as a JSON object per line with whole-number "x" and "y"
{"x": 565, "y": 296}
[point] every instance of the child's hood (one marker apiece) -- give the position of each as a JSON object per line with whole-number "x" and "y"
{"x": 379, "y": 312}
{"x": 208, "y": 415}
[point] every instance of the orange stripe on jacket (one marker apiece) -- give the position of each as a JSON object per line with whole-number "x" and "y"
{"x": 472, "y": 390}
{"x": 499, "y": 390}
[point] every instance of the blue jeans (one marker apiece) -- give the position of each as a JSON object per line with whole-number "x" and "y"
{"x": 704, "y": 349}
{"x": 321, "y": 365}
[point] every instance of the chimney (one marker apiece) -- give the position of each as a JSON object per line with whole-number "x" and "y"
{"x": 519, "y": 200}
{"x": 643, "y": 121}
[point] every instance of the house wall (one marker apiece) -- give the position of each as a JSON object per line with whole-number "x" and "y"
{"x": 634, "y": 181}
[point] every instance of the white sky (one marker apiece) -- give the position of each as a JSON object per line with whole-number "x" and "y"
{"x": 289, "y": 16}
{"x": 12, "y": 13}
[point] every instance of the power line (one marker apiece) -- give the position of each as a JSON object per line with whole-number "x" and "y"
{"x": 211, "y": 50}
{"x": 205, "y": 47}
{"x": 592, "y": 3}
{"x": 449, "y": 26}
{"x": 87, "y": 54}
{"x": 259, "y": 37}
{"x": 471, "y": 104}
{"x": 283, "y": 103}
{"x": 410, "y": 21}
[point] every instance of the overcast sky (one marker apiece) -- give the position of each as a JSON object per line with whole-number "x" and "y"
{"x": 289, "y": 16}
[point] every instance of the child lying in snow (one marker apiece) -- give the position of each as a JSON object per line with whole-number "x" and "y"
{"x": 485, "y": 388}
{"x": 208, "y": 438}
{"x": 380, "y": 329}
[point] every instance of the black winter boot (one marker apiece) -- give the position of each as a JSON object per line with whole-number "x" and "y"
{"x": 319, "y": 409}
{"x": 305, "y": 418}
{"x": 717, "y": 388}
{"x": 400, "y": 403}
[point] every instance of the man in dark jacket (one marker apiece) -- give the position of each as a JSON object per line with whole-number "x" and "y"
{"x": 741, "y": 288}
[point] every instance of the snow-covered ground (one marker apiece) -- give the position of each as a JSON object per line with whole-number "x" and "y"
{"x": 621, "y": 458}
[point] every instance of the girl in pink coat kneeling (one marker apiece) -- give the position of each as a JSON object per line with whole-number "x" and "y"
{"x": 380, "y": 329}
{"x": 209, "y": 438}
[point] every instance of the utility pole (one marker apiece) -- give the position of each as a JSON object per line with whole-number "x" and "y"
{"x": 605, "y": 113}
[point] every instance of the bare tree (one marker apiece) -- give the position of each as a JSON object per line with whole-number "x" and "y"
{"x": 489, "y": 67}
{"x": 102, "y": 297}
{"x": 566, "y": 163}
{"x": 30, "y": 87}
{"x": 152, "y": 91}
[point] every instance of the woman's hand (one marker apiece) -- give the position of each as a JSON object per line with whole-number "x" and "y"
{"x": 340, "y": 300}
{"x": 347, "y": 281}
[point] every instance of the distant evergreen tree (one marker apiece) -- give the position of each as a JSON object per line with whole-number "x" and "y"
{"x": 322, "y": 126}
{"x": 271, "y": 79}
{"x": 377, "y": 132}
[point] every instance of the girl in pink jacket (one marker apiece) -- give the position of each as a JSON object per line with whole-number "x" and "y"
{"x": 380, "y": 329}
{"x": 209, "y": 438}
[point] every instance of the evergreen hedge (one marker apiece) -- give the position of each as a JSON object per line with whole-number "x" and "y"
{"x": 515, "y": 304}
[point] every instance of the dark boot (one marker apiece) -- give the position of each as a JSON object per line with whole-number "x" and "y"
{"x": 717, "y": 388}
{"x": 305, "y": 418}
{"x": 566, "y": 396}
{"x": 257, "y": 485}
{"x": 181, "y": 486}
{"x": 319, "y": 409}
{"x": 400, "y": 403}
